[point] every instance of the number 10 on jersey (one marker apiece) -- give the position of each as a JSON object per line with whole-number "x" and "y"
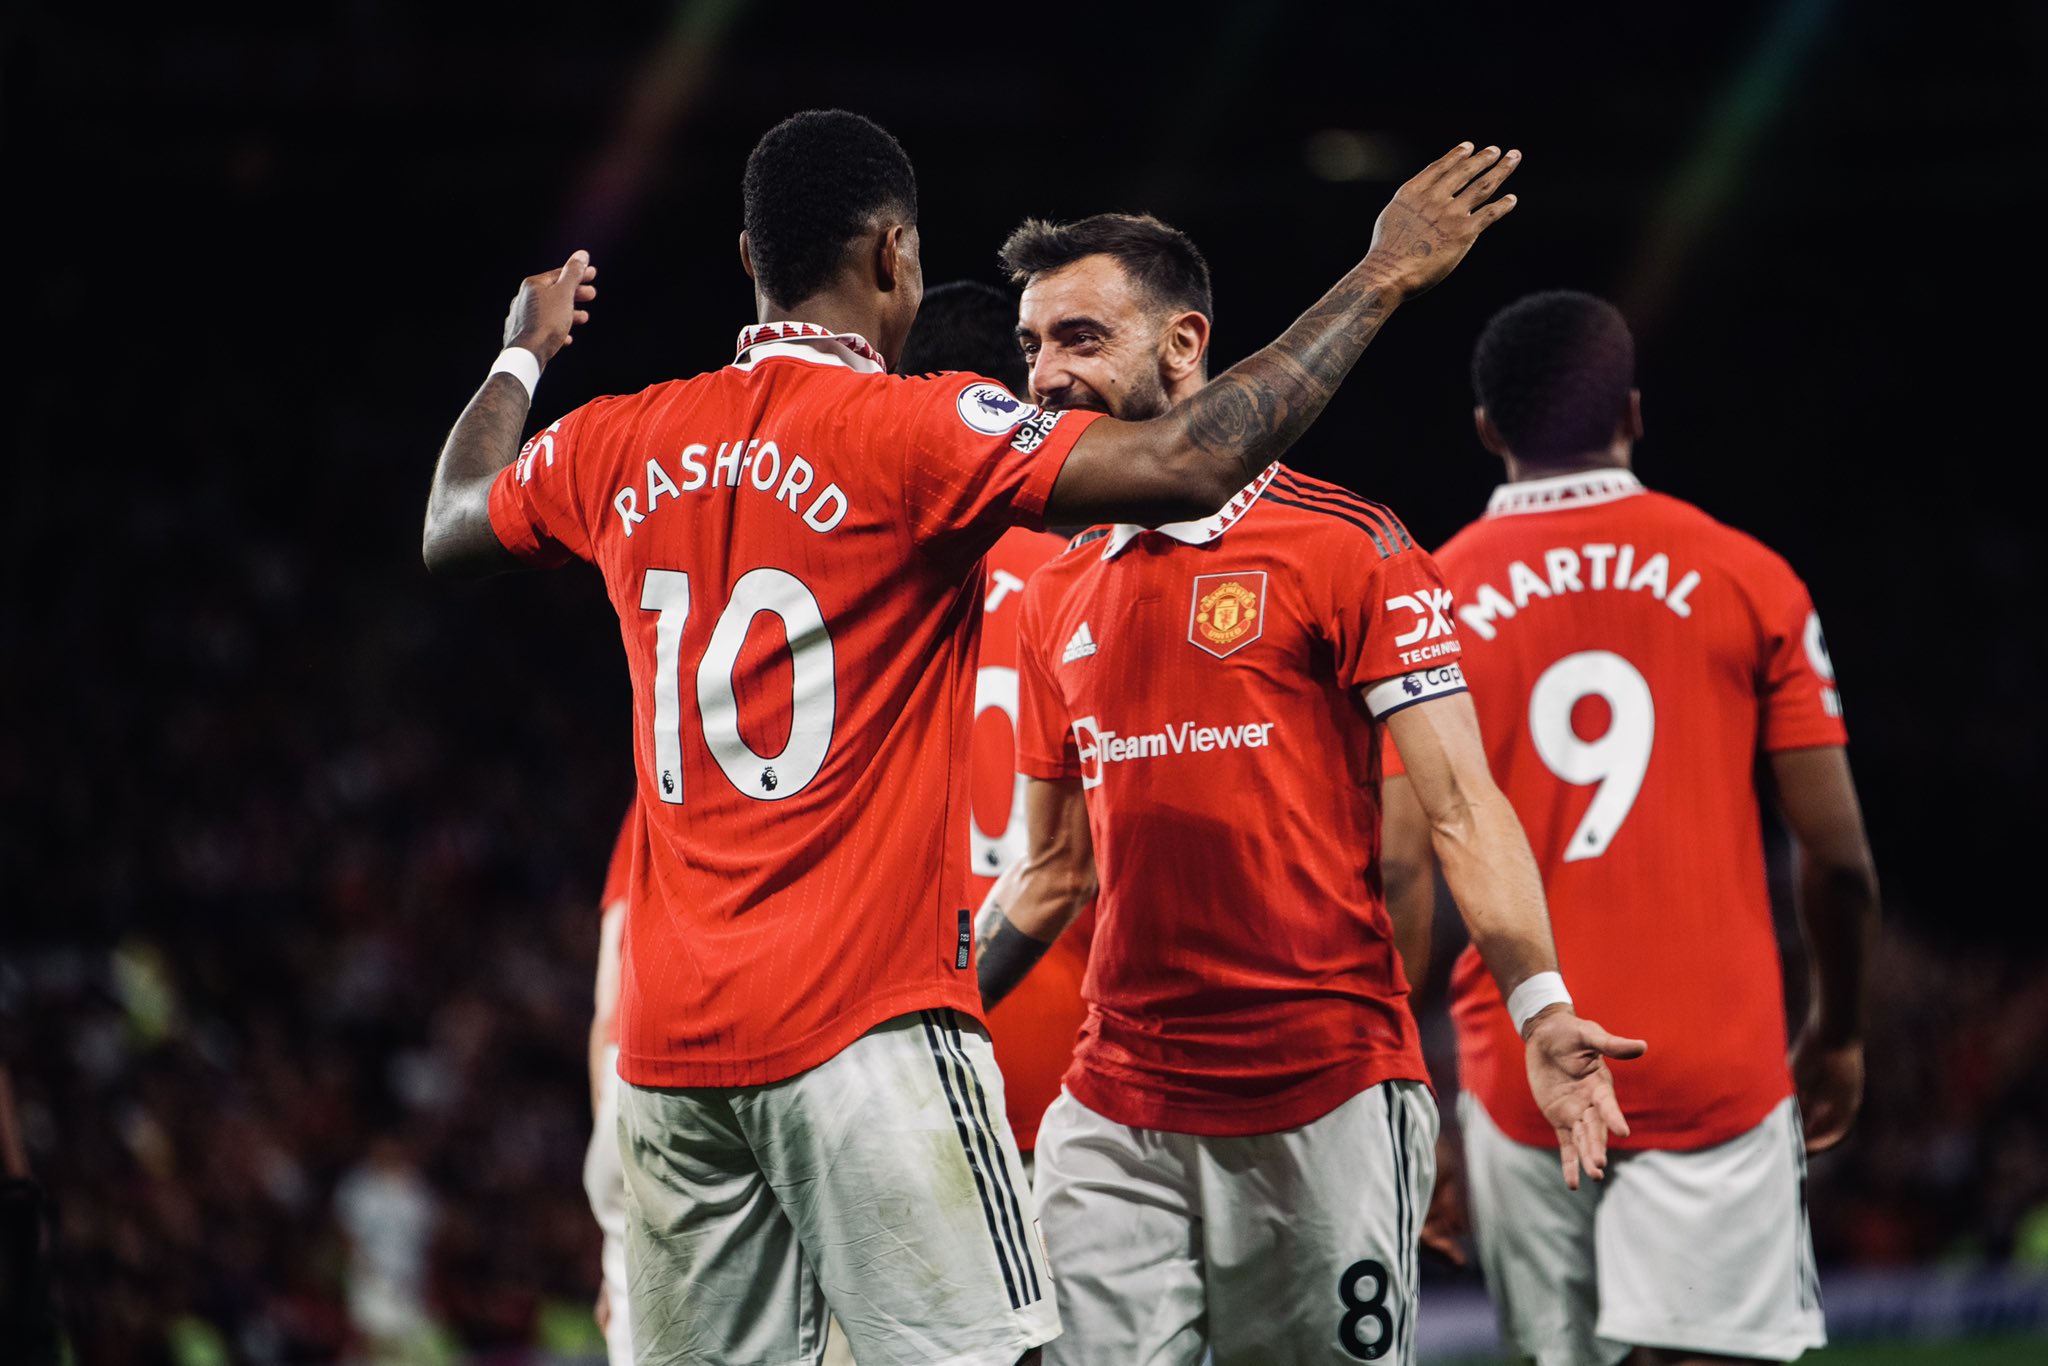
{"x": 813, "y": 700}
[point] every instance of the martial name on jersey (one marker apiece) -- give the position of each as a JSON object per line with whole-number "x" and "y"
{"x": 1579, "y": 569}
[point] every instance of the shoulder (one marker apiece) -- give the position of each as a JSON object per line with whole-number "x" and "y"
{"x": 1468, "y": 539}
{"x": 1072, "y": 559}
{"x": 1739, "y": 552}
{"x": 1320, "y": 509}
{"x": 980, "y": 401}
{"x": 1021, "y": 550}
{"x": 1067, "y": 565}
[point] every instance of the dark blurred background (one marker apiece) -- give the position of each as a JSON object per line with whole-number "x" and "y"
{"x": 300, "y": 849}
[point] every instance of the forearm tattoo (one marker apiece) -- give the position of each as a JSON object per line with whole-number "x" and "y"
{"x": 1256, "y": 409}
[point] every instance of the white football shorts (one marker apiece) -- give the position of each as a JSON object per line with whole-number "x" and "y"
{"x": 1288, "y": 1248}
{"x": 604, "y": 1183}
{"x": 1705, "y": 1251}
{"x": 884, "y": 1183}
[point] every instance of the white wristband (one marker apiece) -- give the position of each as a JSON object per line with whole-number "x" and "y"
{"x": 1542, "y": 990}
{"x": 521, "y": 364}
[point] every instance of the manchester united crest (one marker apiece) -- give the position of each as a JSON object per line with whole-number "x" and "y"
{"x": 1228, "y": 611}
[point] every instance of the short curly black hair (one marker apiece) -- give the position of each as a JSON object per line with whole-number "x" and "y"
{"x": 814, "y": 183}
{"x": 1553, "y": 371}
{"x": 967, "y": 325}
{"x": 1161, "y": 259}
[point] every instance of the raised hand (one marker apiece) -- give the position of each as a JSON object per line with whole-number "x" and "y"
{"x": 549, "y": 304}
{"x": 1567, "y": 1060}
{"x": 1829, "y": 1081}
{"x": 1434, "y": 219}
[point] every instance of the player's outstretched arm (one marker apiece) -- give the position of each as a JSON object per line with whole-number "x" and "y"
{"x": 1189, "y": 462}
{"x": 458, "y": 539}
{"x": 1492, "y": 875}
{"x": 1837, "y": 900}
{"x": 1039, "y": 895}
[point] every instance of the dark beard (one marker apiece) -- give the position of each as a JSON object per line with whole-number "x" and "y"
{"x": 1143, "y": 405}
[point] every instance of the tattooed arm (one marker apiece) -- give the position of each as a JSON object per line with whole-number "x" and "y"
{"x": 1189, "y": 462}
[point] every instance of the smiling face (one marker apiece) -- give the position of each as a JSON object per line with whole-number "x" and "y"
{"x": 1093, "y": 340}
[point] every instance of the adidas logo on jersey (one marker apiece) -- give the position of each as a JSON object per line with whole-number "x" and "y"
{"x": 1080, "y": 647}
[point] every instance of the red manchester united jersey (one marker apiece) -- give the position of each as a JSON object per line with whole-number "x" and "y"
{"x": 793, "y": 545}
{"x": 1207, "y": 683}
{"x": 1630, "y": 657}
{"x": 630, "y": 846}
{"x": 1035, "y": 1026}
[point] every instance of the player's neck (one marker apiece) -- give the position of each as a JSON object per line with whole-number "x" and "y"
{"x": 831, "y": 311}
{"x": 1522, "y": 471}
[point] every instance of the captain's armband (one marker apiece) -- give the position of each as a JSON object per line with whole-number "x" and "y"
{"x": 1390, "y": 695}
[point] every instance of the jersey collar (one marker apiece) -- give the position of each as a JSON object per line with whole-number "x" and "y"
{"x": 1582, "y": 488}
{"x": 810, "y": 342}
{"x": 1200, "y": 532}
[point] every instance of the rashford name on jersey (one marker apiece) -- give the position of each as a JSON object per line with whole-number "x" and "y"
{"x": 755, "y": 463}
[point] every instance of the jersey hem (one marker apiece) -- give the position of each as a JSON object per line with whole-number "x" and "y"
{"x": 651, "y": 1072}
{"x": 1126, "y": 1101}
{"x": 1032, "y": 768}
{"x": 1642, "y": 1138}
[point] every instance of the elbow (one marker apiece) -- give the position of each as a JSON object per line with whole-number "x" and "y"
{"x": 1399, "y": 876}
{"x": 1076, "y": 891}
{"x": 1454, "y": 827}
{"x": 441, "y": 559}
{"x": 446, "y": 555}
{"x": 436, "y": 545}
{"x": 1850, "y": 881}
{"x": 1066, "y": 891}
{"x": 432, "y": 553}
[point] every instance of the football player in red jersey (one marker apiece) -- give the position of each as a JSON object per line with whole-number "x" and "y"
{"x": 967, "y": 325}
{"x": 793, "y": 544}
{"x": 1632, "y": 659}
{"x": 1245, "y": 1146}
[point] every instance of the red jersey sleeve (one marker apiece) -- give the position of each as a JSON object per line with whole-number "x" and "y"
{"x": 976, "y": 453}
{"x": 1390, "y": 622}
{"x": 1045, "y": 743}
{"x": 1799, "y": 707}
{"x": 536, "y": 507}
{"x": 618, "y": 877}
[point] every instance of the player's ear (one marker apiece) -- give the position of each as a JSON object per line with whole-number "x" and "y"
{"x": 1489, "y": 435}
{"x": 746, "y": 255}
{"x": 1185, "y": 342}
{"x": 892, "y": 263}
{"x": 1635, "y": 415}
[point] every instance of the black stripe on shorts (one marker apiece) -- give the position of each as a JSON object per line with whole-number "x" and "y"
{"x": 1007, "y": 1204}
{"x": 1397, "y": 1134}
{"x": 975, "y": 1146}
